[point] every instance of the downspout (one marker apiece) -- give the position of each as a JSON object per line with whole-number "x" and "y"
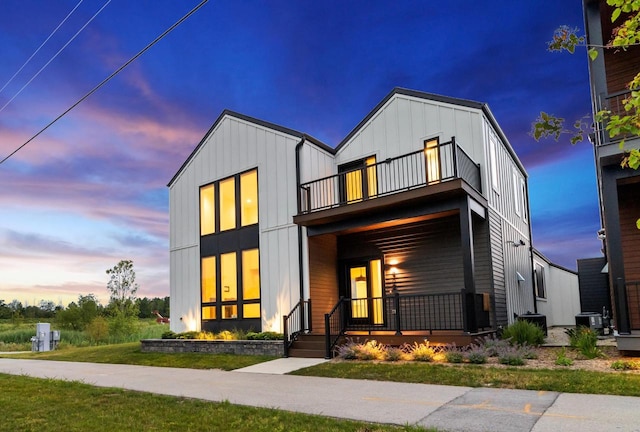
{"x": 533, "y": 271}
{"x": 298, "y": 201}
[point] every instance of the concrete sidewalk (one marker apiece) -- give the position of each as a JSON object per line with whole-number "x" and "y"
{"x": 445, "y": 407}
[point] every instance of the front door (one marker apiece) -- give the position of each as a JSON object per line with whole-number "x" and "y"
{"x": 364, "y": 288}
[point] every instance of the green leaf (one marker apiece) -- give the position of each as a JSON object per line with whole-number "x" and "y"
{"x": 638, "y": 223}
{"x": 615, "y": 14}
{"x": 593, "y": 54}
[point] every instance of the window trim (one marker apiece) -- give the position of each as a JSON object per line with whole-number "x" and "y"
{"x": 493, "y": 156}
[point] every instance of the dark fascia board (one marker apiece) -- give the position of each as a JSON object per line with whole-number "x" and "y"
{"x": 438, "y": 98}
{"x": 551, "y": 264}
{"x": 253, "y": 120}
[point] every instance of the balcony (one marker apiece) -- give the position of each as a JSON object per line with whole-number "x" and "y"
{"x": 436, "y": 164}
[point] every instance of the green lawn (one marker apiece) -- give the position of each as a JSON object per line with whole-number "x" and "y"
{"x": 129, "y": 353}
{"x": 568, "y": 381}
{"x": 32, "y": 404}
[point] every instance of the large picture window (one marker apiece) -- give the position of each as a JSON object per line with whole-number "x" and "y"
{"x": 230, "y": 258}
{"x": 359, "y": 181}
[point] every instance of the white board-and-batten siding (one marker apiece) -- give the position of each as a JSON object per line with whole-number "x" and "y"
{"x": 234, "y": 146}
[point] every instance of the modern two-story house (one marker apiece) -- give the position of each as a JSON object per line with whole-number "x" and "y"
{"x": 415, "y": 225}
{"x": 619, "y": 188}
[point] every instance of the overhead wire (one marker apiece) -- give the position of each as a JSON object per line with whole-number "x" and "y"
{"x": 55, "y": 55}
{"x": 41, "y": 45}
{"x": 107, "y": 79}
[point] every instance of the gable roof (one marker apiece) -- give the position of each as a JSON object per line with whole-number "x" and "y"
{"x": 438, "y": 98}
{"x": 253, "y": 120}
{"x": 396, "y": 91}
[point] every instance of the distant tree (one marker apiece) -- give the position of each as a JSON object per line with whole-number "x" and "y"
{"x": 77, "y": 316}
{"x": 122, "y": 288}
{"x": 144, "y": 307}
{"x": 122, "y": 306}
{"x": 5, "y": 310}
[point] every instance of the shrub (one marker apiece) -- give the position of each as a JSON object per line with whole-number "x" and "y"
{"x": 98, "y": 330}
{"x": 371, "y": 350}
{"x": 562, "y": 359}
{"x": 452, "y": 354}
{"x": 622, "y": 365}
{"x": 393, "y": 354}
{"x": 264, "y": 336}
{"x": 476, "y": 354}
{"x": 586, "y": 341}
{"x": 421, "y": 352}
{"x": 225, "y": 335}
{"x": 524, "y": 332}
{"x": 169, "y": 335}
{"x": 512, "y": 356}
{"x": 492, "y": 345}
{"x": 347, "y": 351}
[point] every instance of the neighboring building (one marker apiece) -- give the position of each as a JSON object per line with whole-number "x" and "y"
{"x": 557, "y": 291}
{"x": 619, "y": 188}
{"x": 416, "y": 223}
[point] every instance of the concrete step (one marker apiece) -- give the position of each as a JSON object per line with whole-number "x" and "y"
{"x": 306, "y": 353}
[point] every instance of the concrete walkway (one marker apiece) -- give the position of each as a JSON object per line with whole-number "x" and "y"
{"x": 445, "y": 407}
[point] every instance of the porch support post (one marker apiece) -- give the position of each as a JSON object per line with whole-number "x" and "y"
{"x": 468, "y": 264}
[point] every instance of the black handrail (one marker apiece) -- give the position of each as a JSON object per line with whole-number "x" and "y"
{"x": 444, "y": 162}
{"x": 296, "y": 322}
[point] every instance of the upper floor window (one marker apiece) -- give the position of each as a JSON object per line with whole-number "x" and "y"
{"x": 207, "y": 210}
{"x": 229, "y": 203}
{"x": 523, "y": 195}
{"x": 493, "y": 150}
{"x": 359, "y": 180}
{"x": 432, "y": 158}
{"x": 516, "y": 192}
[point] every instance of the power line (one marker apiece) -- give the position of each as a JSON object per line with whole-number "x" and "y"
{"x": 107, "y": 79}
{"x": 41, "y": 45}
{"x": 55, "y": 55}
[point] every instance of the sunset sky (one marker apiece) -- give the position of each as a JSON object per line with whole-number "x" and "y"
{"x": 91, "y": 190}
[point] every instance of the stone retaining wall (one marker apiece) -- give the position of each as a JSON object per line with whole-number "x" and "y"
{"x": 246, "y": 347}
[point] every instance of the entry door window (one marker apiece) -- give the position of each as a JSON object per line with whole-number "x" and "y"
{"x": 359, "y": 180}
{"x": 365, "y": 289}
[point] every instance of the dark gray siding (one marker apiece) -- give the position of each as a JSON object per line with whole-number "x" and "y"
{"x": 594, "y": 285}
{"x": 497, "y": 260}
{"x": 428, "y": 254}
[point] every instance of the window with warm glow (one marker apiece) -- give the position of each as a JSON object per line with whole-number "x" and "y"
{"x": 207, "y": 210}
{"x": 227, "y": 204}
{"x": 249, "y": 198}
{"x": 209, "y": 313}
{"x": 376, "y": 290}
{"x": 228, "y": 277}
{"x": 432, "y": 157}
{"x": 209, "y": 279}
{"x": 372, "y": 178}
{"x": 250, "y": 274}
{"x": 229, "y": 311}
{"x": 251, "y": 310}
{"x": 353, "y": 185}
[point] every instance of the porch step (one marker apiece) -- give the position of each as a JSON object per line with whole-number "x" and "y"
{"x": 629, "y": 343}
{"x": 308, "y": 346}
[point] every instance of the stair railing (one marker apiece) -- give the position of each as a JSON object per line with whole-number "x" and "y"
{"x": 296, "y": 322}
{"x": 335, "y": 325}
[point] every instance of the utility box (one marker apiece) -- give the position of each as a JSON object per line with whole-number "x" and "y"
{"x": 592, "y": 320}
{"x": 45, "y": 339}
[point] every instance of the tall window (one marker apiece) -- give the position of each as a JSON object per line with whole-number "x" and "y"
{"x": 523, "y": 195}
{"x": 227, "y": 204}
{"x": 207, "y": 210}
{"x": 494, "y": 162}
{"x": 432, "y": 158}
{"x": 251, "y": 283}
{"x": 516, "y": 192}
{"x": 230, "y": 269}
{"x": 249, "y": 198}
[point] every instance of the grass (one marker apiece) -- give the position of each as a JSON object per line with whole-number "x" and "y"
{"x": 567, "y": 381}
{"x": 33, "y": 404}
{"x": 129, "y": 353}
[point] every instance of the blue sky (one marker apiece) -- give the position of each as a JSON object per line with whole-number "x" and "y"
{"x": 92, "y": 189}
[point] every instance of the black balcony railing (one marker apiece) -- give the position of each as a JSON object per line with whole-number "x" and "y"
{"x": 298, "y": 321}
{"x": 398, "y": 313}
{"x": 614, "y": 103}
{"x": 422, "y": 168}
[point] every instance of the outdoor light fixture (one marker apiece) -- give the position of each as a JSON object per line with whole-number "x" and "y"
{"x": 517, "y": 243}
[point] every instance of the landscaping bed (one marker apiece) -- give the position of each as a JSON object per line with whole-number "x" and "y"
{"x": 239, "y": 347}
